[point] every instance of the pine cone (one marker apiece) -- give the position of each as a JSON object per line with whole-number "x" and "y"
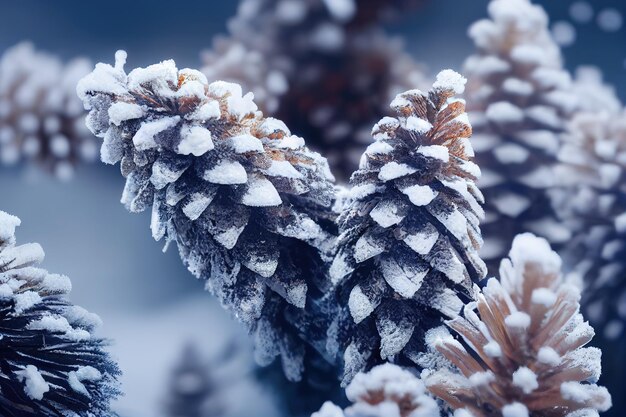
{"x": 409, "y": 240}
{"x": 592, "y": 201}
{"x": 52, "y": 364}
{"x": 247, "y": 203}
{"x": 41, "y": 119}
{"x": 518, "y": 98}
{"x": 385, "y": 391}
{"x": 320, "y": 72}
{"x": 524, "y": 355}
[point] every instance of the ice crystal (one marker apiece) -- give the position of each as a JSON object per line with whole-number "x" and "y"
{"x": 522, "y": 350}
{"x": 409, "y": 239}
{"x": 52, "y": 363}
{"x": 248, "y": 205}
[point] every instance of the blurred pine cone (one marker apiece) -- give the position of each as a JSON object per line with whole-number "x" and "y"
{"x": 519, "y": 97}
{"x": 41, "y": 119}
{"x": 522, "y": 350}
{"x": 319, "y": 66}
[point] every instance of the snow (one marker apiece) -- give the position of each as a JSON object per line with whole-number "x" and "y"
{"x": 25, "y": 301}
{"x": 367, "y": 247}
{"x": 246, "y": 143}
{"x": 283, "y": 169}
{"x": 525, "y": 379}
{"x": 8, "y": 223}
{"x": 158, "y": 76}
{"x": 59, "y": 324}
{"x": 144, "y": 138}
{"x": 361, "y": 191}
{"x": 620, "y": 223}
{"x": 503, "y": 112}
{"x": 34, "y": 384}
{"x": 435, "y": 151}
{"x": 329, "y": 410}
{"x": 511, "y": 153}
{"x": 121, "y": 111}
{"x": 423, "y": 241}
{"x": 493, "y": 349}
{"x": 548, "y": 356}
{"x": 360, "y": 306}
{"x": 84, "y": 373}
{"x": 420, "y": 195}
{"x": 261, "y": 193}
{"x": 342, "y": 10}
{"x": 417, "y": 125}
{"x": 544, "y": 296}
{"x": 518, "y": 87}
{"x": 56, "y": 284}
{"x": 581, "y": 394}
{"x": 207, "y": 111}
{"x": 511, "y": 204}
{"x": 478, "y": 379}
{"x": 227, "y": 173}
{"x": 450, "y": 80}
{"x": 386, "y": 214}
{"x": 394, "y": 170}
{"x": 528, "y": 248}
{"x": 517, "y": 320}
{"x": 198, "y": 202}
{"x": 196, "y": 141}
{"x": 515, "y": 410}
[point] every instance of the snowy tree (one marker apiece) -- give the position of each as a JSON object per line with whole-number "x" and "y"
{"x": 591, "y": 200}
{"x": 320, "y": 66}
{"x": 522, "y": 350}
{"x": 41, "y": 119}
{"x": 248, "y": 205}
{"x": 385, "y": 391}
{"x": 408, "y": 249}
{"x": 192, "y": 391}
{"x": 52, "y": 363}
{"x": 519, "y": 97}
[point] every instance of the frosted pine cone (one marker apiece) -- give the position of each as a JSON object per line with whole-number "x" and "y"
{"x": 524, "y": 355}
{"x": 409, "y": 240}
{"x": 41, "y": 119}
{"x": 247, "y": 203}
{"x": 385, "y": 391}
{"x": 518, "y": 97}
{"x": 592, "y": 201}
{"x": 313, "y": 67}
{"x": 52, "y": 364}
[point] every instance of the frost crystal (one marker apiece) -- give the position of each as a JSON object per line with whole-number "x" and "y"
{"x": 53, "y": 364}
{"x": 248, "y": 205}
{"x": 385, "y": 391}
{"x": 542, "y": 367}
{"x": 591, "y": 200}
{"x": 322, "y": 66}
{"x": 518, "y": 97}
{"x": 41, "y": 119}
{"x": 409, "y": 238}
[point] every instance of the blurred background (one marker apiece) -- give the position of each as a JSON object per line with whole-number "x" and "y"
{"x": 151, "y": 306}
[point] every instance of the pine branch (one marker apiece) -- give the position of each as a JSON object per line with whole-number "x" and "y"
{"x": 52, "y": 363}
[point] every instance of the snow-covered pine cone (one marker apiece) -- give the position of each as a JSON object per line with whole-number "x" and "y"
{"x": 325, "y": 78}
{"x": 247, "y": 203}
{"x": 385, "y": 391}
{"x": 41, "y": 119}
{"x": 522, "y": 350}
{"x": 409, "y": 239}
{"x": 518, "y": 98}
{"x": 51, "y": 362}
{"x": 592, "y": 202}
